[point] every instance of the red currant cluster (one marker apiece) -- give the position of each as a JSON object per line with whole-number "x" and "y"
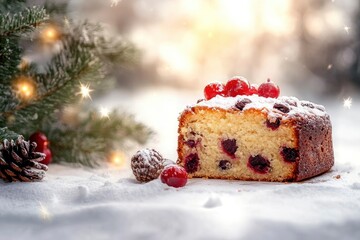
{"x": 42, "y": 146}
{"x": 241, "y": 86}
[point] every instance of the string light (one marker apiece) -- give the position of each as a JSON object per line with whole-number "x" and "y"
{"x": 117, "y": 159}
{"x": 25, "y": 87}
{"x": 348, "y": 102}
{"x": 85, "y": 91}
{"x": 104, "y": 112}
{"x": 50, "y": 34}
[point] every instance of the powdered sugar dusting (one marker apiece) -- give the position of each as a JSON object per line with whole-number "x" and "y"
{"x": 145, "y": 154}
{"x": 296, "y": 107}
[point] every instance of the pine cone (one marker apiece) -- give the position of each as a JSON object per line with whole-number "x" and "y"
{"x": 19, "y": 162}
{"x": 147, "y": 165}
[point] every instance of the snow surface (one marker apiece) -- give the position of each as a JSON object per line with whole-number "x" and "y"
{"x": 108, "y": 203}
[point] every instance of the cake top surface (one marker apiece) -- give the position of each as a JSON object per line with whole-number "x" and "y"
{"x": 285, "y": 107}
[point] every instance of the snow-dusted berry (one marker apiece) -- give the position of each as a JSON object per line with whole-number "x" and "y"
{"x": 253, "y": 89}
{"x": 237, "y": 86}
{"x": 213, "y": 89}
{"x": 269, "y": 90}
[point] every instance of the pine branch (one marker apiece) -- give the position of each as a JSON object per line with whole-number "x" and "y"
{"x": 21, "y": 22}
{"x": 57, "y": 87}
{"x": 89, "y": 140}
{"x": 84, "y": 57}
{"x": 12, "y": 5}
{"x": 5, "y": 133}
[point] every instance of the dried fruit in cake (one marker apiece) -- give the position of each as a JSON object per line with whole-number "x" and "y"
{"x": 213, "y": 89}
{"x": 273, "y": 124}
{"x": 237, "y": 86}
{"x": 147, "y": 164}
{"x": 225, "y": 164}
{"x": 269, "y": 90}
{"x": 229, "y": 147}
{"x": 174, "y": 176}
{"x": 242, "y": 103}
{"x": 259, "y": 164}
{"x": 192, "y": 163}
{"x": 290, "y": 154}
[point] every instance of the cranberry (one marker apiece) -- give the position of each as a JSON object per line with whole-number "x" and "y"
{"x": 41, "y": 141}
{"x": 213, "y": 89}
{"x": 241, "y": 104}
{"x": 174, "y": 176}
{"x": 48, "y": 156}
{"x": 259, "y": 164}
{"x": 229, "y": 146}
{"x": 224, "y": 164}
{"x": 273, "y": 125}
{"x": 290, "y": 154}
{"x": 192, "y": 163}
{"x": 253, "y": 89}
{"x": 237, "y": 86}
{"x": 269, "y": 90}
{"x": 281, "y": 107}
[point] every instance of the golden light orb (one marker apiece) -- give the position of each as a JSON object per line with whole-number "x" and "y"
{"x": 117, "y": 159}
{"x": 25, "y": 87}
{"x": 50, "y": 34}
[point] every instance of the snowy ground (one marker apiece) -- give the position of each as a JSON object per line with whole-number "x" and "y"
{"x": 108, "y": 203}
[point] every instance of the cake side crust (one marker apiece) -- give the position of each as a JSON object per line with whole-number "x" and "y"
{"x": 315, "y": 147}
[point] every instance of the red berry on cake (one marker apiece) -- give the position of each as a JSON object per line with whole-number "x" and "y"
{"x": 253, "y": 89}
{"x": 174, "y": 176}
{"x": 237, "y": 86}
{"x": 213, "y": 89}
{"x": 269, "y": 90}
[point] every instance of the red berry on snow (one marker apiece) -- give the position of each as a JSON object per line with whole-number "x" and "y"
{"x": 48, "y": 157}
{"x": 253, "y": 89}
{"x": 213, "y": 89}
{"x": 237, "y": 86}
{"x": 269, "y": 90}
{"x": 41, "y": 141}
{"x": 174, "y": 176}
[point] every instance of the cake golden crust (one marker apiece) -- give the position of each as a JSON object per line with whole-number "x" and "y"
{"x": 309, "y": 133}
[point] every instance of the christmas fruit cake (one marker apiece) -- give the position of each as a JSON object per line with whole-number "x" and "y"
{"x": 241, "y": 131}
